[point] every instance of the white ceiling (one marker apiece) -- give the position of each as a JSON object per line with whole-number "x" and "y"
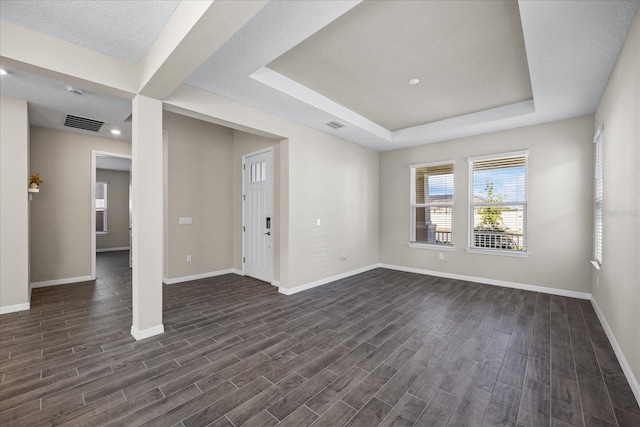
{"x": 50, "y": 102}
{"x": 113, "y": 163}
{"x": 561, "y": 39}
{"x": 468, "y": 56}
{"x": 118, "y": 28}
{"x": 570, "y": 48}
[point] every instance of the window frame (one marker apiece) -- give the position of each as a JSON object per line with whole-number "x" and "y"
{"x": 524, "y": 253}
{"x": 413, "y": 205}
{"x": 598, "y": 197}
{"x": 103, "y": 210}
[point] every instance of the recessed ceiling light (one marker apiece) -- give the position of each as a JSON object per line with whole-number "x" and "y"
{"x": 3, "y": 71}
{"x": 115, "y": 131}
{"x": 414, "y": 81}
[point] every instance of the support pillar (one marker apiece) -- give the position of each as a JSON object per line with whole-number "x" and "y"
{"x": 15, "y": 291}
{"x": 147, "y": 217}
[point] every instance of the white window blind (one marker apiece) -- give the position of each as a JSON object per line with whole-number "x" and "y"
{"x": 432, "y": 204}
{"x": 498, "y": 202}
{"x": 598, "y": 193}
{"x": 101, "y": 207}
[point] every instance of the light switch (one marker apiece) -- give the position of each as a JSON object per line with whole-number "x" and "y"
{"x": 185, "y": 220}
{"x": 318, "y": 221}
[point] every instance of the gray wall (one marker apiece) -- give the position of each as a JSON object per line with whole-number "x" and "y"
{"x": 204, "y": 181}
{"x": 199, "y": 185}
{"x": 337, "y": 182}
{"x": 559, "y": 206}
{"x": 61, "y": 213}
{"x": 616, "y": 289}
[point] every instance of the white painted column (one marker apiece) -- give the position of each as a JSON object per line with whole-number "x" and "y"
{"x": 14, "y": 206}
{"x": 147, "y": 217}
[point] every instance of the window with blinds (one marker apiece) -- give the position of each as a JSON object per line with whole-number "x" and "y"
{"x": 101, "y": 207}
{"x": 432, "y": 204}
{"x": 597, "y": 226}
{"x": 498, "y": 202}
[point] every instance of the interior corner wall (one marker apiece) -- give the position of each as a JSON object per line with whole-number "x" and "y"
{"x": 245, "y": 143}
{"x": 199, "y": 173}
{"x": 117, "y": 235}
{"x": 14, "y": 205}
{"x": 616, "y": 288}
{"x": 321, "y": 177}
{"x": 60, "y": 226}
{"x": 560, "y": 212}
{"x": 336, "y": 183}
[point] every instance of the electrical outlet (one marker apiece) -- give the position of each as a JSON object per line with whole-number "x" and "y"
{"x": 440, "y": 255}
{"x": 188, "y": 258}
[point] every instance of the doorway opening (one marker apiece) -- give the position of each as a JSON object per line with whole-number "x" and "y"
{"x": 110, "y": 204}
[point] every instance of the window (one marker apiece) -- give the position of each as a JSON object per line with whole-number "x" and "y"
{"x": 101, "y": 207}
{"x": 598, "y": 139}
{"x": 432, "y": 204}
{"x": 498, "y": 203}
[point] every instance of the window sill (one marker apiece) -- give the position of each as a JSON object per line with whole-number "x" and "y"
{"x": 432, "y": 246}
{"x": 102, "y": 233}
{"x": 516, "y": 254}
{"x": 596, "y": 265}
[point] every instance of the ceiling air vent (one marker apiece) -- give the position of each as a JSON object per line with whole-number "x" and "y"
{"x": 335, "y": 125}
{"x": 83, "y": 123}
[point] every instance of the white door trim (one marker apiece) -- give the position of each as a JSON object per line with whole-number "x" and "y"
{"x": 273, "y": 230}
{"x": 94, "y": 155}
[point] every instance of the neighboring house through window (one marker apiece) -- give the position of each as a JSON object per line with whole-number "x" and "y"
{"x": 101, "y": 207}
{"x": 432, "y": 204}
{"x": 498, "y": 203}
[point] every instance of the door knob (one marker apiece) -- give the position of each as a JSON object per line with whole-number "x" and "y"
{"x": 268, "y": 233}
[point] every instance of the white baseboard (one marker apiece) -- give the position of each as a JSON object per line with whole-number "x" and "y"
{"x": 236, "y": 271}
{"x": 147, "y": 333}
{"x": 62, "y": 281}
{"x": 306, "y": 286}
{"x": 514, "y": 285}
{"x": 197, "y": 276}
{"x": 275, "y": 283}
{"x": 633, "y": 381}
{"x": 13, "y": 308}
{"x": 124, "y": 248}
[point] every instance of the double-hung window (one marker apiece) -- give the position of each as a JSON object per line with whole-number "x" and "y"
{"x": 498, "y": 203}
{"x": 598, "y": 139}
{"x": 432, "y": 204}
{"x": 101, "y": 207}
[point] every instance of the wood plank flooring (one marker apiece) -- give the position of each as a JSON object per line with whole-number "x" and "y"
{"x": 381, "y": 348}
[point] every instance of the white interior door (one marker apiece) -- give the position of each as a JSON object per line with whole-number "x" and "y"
{"x": 257, "y": 214}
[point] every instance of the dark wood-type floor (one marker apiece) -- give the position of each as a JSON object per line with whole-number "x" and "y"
{"x": 380, "y": 348}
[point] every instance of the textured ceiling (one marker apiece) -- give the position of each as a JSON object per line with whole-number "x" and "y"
{"x": 121, "y": 29}
{"x": 571, "y": 49}
{"x": 50, "y": 101}
{"x": 469, "y": 57}
{"x": 113, "y": 163}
